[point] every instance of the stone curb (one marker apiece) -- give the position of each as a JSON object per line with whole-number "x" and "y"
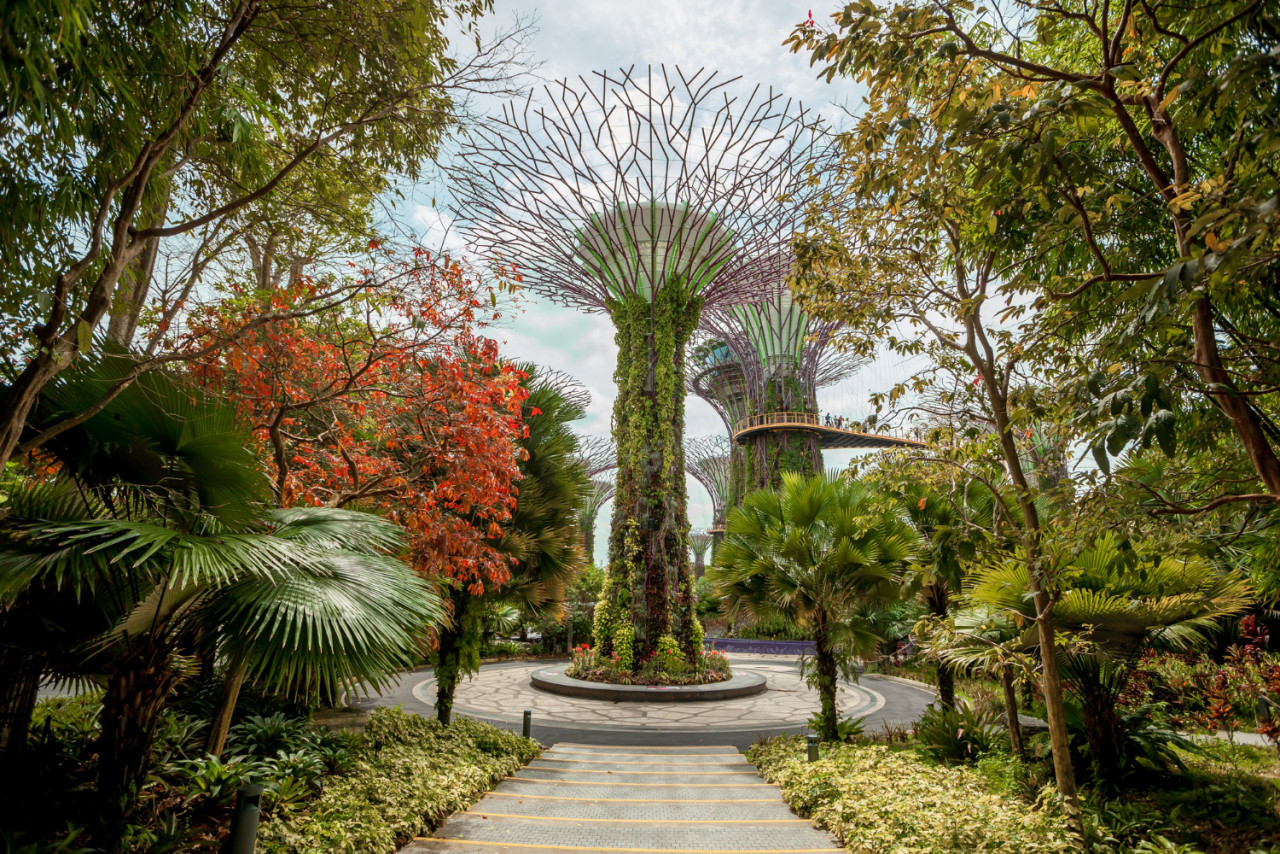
{"x": 553, "y": 680}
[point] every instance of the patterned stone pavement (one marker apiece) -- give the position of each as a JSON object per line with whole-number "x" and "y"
{"x": 506, "y": 691}
{"x": 500, "y": 693}
{"x": 581, "y": 798}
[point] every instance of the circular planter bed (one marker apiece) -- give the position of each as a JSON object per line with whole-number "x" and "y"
{"x": 553, "y": 680}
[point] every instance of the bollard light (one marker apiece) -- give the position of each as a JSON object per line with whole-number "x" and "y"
{"x": 244, "y": 822}
{"x": 528, "y": 723}
{"x": 813, "y": 748}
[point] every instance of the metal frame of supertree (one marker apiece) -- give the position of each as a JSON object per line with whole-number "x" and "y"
{"x": 597, "y": 494}
{"x": 699, "y": 541}
{"x": 597, "y": 454}
{"x": 545, "y": 186}
{"x": 707, "y": 458}
{"x": 570, "y": 387}
{"x": 785, "y": 355}
{"x": 644, "y": 195}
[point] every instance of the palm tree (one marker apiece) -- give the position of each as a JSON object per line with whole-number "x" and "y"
{"x": 816, "y": 552}
{"x": 1121, "y": 603}
{"x": 150, "y": 541}
{"x": 543, "y": 536}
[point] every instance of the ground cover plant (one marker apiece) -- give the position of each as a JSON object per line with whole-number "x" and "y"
{"x": 901, "y": 796}
{"x": 880, "y": 800}
{"x": 322, "y": 790}
{"x": 408, "y": 775}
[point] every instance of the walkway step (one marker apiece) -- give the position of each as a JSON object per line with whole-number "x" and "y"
{"x": 505, "y": 803}
{"x": 463, "y": 846}
{"x": 659, "y": 750}
{"x": 615, "y": 800}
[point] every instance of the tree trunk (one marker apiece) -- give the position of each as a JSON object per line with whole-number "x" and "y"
{"x": 1102, "y": 727}
{"x": 137, "y": 690}
{"x": 946, "y": 685}
{"x": 226, "y": 707}
{"x": 828, "y": 684}
{"x": 1245, "y": 421}
{"x": 1063, "y": 772}
{"x": 20, "y": 673}
{"x": 1011, "y": 712}
{"x": 122, "y": 322}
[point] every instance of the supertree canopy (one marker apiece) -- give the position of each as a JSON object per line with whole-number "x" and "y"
{"x": 708, "y": 460}
{"x": 600, "y": 491}
{"x": 644, "y": 195}
{"x": 597, "y": 454}
{"x": 785, "y": 356}
{"x": 699, "y": 542}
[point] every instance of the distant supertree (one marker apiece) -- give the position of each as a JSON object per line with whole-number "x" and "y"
{"x": 597, "y": 454}
{"x": 786, "y": 356}
{"x": 600, "y": 491}
{"x": 699, "y": 542}
{"x": 707, "y": 459}
{"x": 569, "y": 386}
{"x": 643, "y": 195}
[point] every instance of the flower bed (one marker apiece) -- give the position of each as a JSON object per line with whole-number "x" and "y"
{"x": 886, "y": 801}
{"x": 666, "y": 666}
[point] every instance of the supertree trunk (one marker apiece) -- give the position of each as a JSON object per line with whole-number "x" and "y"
{"x": 649, "y": 592}
{"x": 774, "y": 452}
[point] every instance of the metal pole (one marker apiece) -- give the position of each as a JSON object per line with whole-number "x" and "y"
{"x": 244, "y": 822}
{"x": 813, "y": 748}
{"x": 528, "y": 723}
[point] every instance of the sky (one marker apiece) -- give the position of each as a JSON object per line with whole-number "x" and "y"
{"x": 734, "y": 37}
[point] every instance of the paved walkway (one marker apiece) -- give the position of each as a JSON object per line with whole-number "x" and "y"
{"x": 584, "y": 798}
{"x": 500, "y": 693}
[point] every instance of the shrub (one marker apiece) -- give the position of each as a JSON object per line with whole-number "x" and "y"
{"x": 666, "y": 666}
{"x": 961, "y": 734}
{"x": 877, "y": 799}
{"x": 409, "y": 776}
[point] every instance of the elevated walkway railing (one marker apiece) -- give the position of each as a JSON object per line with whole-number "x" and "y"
{"x": 811, "y": 420}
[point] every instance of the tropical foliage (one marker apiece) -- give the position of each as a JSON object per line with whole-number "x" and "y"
{"x": 816, "y": 551}
{"x": 878, "y": 799}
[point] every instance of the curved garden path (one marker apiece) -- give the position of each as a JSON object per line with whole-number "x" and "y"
{"x": 501, "y": 692}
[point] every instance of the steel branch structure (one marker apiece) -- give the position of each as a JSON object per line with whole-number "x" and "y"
{"x": 626, "y": 182}
{"x": 783, "y": 356}
{"x": 569, "y": 387}
{"x": 598, "y": 492}
{"x": 707, "y": 458}
{"x": 597, "y": 454}
{"x": 649, "y": 195}
{"x": 699, "y": 542}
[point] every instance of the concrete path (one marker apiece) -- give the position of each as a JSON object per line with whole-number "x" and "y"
{"x": 500, "y": 693}
{"x": 587, "y": 798}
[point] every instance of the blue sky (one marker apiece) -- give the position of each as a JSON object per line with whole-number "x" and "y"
{"x": 734, "y": 37}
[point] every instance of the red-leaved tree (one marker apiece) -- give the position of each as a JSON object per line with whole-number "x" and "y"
{"x": 396, "y": 404}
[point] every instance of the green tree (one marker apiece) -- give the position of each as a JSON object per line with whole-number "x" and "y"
{"x": 543, "y": 537}
{"x": 213, "y": 111}
{"x": 1141, "y": 135}
{"x": 815, "y": 552}
{"x": 1117, "y": 603}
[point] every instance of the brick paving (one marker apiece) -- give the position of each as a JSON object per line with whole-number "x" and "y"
{"x": 579, "y": 798}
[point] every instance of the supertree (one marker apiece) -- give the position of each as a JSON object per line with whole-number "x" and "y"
{"x": 783, "y": 356}
{"x": 707, "y": 459}
{"x": 597, "y": 454}
{"x": 699, "y": 542}
{"x": 600, "y": 491}
{"x": 642, "y": 195}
